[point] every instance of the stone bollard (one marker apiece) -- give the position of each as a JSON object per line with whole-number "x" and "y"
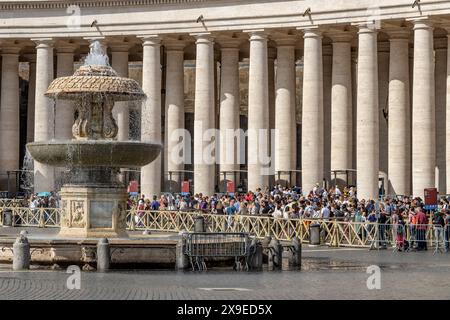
{"x": 103, "y": 255}
{"x": 182, "y": 260}
{"x": 297, "y": 253}
{"x": 199, "y": 225}
{"x": 255, "y": 257}
{"x": 275, "y": 252}
{"x": 287, "y": 259}
{"x": 21, "y": 253}
{"x": 265, "y": 248}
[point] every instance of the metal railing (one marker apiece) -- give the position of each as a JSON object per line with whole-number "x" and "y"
{"x": 332, "y": 232}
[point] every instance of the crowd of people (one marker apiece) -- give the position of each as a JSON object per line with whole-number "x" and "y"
{"x": 334, "y": 203}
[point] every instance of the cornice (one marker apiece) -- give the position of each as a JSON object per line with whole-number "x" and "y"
{"x": 32, "y": 5}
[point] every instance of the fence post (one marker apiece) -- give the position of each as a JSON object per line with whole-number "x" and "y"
{"x": 41, "y": 218}
{"x": 132, "y": 224}
{"x": 336, "y": 233}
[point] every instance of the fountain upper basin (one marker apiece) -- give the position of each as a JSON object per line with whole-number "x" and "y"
{"x": 98, "y": 153}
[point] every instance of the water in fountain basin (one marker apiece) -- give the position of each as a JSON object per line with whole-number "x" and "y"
{"x": 27, "y": 174}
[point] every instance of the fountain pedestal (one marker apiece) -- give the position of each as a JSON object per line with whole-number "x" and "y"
{"x": 89, "y": 211}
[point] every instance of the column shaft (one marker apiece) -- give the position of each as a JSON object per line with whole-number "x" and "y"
{"x": 9, "y": 119}
{"x": 448, "y": 117}
{"x": 258, "y": 113}
{"x": 174, "y": 115}
{"x": 44, "y": 114}
{"x": 367, "y": 116}
{"x": 399, "y": 170}
{"x": 341, "y": 108}
{"x": 64, "y": 111}
{"x": 204, "y": 142}
{"x": 440, "y": 94}
{"x": 312, "y": 113}
{"x": 285, "y": 142}
{"x": 423, "y": 124}
{"x": 31, "y": 96}
{"x": 327, "y": 78}
{"x": 229, "y": 113}
{"x": 383, "y": 88}
{"x": 151, "y": 113}
{"x": 121, "y": 109}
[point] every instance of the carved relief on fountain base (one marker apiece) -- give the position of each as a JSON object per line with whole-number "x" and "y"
{"x": 93, "y": 212}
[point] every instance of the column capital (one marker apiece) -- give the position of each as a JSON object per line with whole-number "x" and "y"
{"x": 10, "y": 47}
{"x": 440, "y": 43}
{"x": 285, "y": 40}
{"x": 229, "y": 43}
{"x": 203, "y": 37}
{"x": 339, "y": 36}
{"x": 149, "y": 40}
{"x": 30, "y": 57}
{"x": 398, "y": 34}
{"x": 65, "y": 47}
{"x": 11, "y": 51}
{"x": 383, "y": 46}
{"x": 172, "y": 44}
{"x": 327, "y": 50}
{"x": 365, "y": 28}
{"x": 311, "y": 32}
{"x": 421, "y": 23}
{"x": 102, "y": 40}
{"x": 257, "y": 34}
{"x": 43, "y": 42}
{"x": 271, "y": 53}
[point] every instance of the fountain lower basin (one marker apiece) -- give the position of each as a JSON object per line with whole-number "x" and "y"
{"x": 101, "y": 153}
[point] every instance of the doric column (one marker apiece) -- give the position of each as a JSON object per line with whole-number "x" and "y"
{"x": 31, "y": 95}
{"x": 312, "y": 113}
{"x": 9, "y": 115}
{"x": 271, "y": 56}
{"x": 383, "y": 88}
{"x": 151, "y": 112}
{"x": 285, "y": 137}
{"x": 44, "y": 180}
{"x": 367, "y": 152}
{"x": 121, "y": 112}
{"x": 64, "y": 111}
{"x": 440, "y": 96}
{"x": 229, "y": 110}
{"x": 341, "y": 105}
{"x": 258, "y": 113}
{"x": 204, "y": 141}
{"x": 448, "y": 114}
{"x": 423, "y": 113}
{"x": 174, "y": 112}
{"x": 399, "y": 150}
{"x": 327, "y": 77}
{"x": 354, "y": 110}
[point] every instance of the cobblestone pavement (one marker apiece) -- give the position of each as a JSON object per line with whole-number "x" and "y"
{"x": 326, "y": 274}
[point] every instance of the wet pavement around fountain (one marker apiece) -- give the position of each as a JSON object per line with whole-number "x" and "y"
{"x": 327, "y": 273}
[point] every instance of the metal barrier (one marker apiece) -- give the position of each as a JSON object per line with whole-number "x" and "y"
{"x": 8, "y": 203}
{"x": 332, "y": 232}
{"x": 216, "y": 245}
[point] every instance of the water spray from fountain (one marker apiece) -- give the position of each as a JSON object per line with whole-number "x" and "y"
{"x": 93, "y": 201}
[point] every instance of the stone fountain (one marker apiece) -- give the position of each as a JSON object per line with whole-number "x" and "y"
{"x": 93, "y": 201}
